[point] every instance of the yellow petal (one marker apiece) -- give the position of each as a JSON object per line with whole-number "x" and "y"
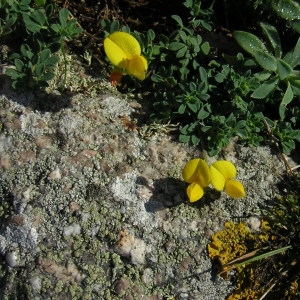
{"x": 190, "y": 170}
{"x": 138, "y": 67}
{"x": 203, "y": 173}
{"x": 234, "y": 189}
{"x": 226, "y": 168}
{"x": 120, "y": 47}
{"x": 216, "y": 178}
{"x": 194, "y": 192}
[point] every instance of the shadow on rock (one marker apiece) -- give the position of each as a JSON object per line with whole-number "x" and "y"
{"x": 166, "y": 192}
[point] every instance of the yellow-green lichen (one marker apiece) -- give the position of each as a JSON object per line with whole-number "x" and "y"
{"x": 231, "y": 243}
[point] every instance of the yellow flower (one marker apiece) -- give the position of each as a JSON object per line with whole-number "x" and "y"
{"x": 196, "y": 172}
{"x": 124, "y": 51}
{"x": 222, "y": 174}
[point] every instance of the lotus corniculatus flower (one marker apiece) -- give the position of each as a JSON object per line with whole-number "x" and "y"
{"x": 220, "y": 174}
{"x": 124, "y": 52}
{"x": 196, "y": 172}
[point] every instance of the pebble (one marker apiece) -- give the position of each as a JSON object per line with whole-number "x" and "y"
{"x": 12, "y": 258}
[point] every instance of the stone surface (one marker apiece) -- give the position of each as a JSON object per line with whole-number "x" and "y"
{"x": 92, "y": 209}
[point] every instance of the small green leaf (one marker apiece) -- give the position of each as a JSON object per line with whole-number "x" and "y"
{"x": 39, "y": 16}
{"x": 40, "y": 2}
{"x": 249, "y": 42}
{"x": 266, "y": 60}
{"x": 12, "y": 73}
{"x": 39, "y": 70}
{"x": 202, "y": 114}
{"x": 288, "y": 95}
{"x": 266, "y": 88}
{"x": 114, "y": 26}
{"x": 193, "y": 107}
{"x": 63, "y": 17}
{"x": 45, "y": 54}
{"x": 283, "y": 69}
{"x": 182, "y": 109}
{"x": 205, "y": 47}
{"x": 53, "y": 60}
{"x": 287, "y": 9}
{"x": 287, "y": 98}
{"x": 19, "y": 64}
{"x": 296, "y": 55}
{"x": 150, "y": 35}
{"x": 263, "y": 75}
{"x": 295, "y": 84}
{"x": 203, "y": 74}
{"x": 184, "y": 138}
{"x": 56, "y": 27}
{"x": 181, "y": 52}
{"x": 273, "y": 37}
{"x": 175, "y": 46}
{"x": 195, "y": 140}
{"x": 178, "y": 20}
{"x": 48, "y": 76}
{"x": 296, "y": 25}
{"x": 30, "y": 24}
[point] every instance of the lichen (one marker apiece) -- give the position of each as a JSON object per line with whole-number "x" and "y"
{"x": 233, "y": 242}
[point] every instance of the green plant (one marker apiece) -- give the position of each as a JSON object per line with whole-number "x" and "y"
{"x": 40, "y": 31}
{"x": 214, "y": 96}
{"x": 279, "y": 73}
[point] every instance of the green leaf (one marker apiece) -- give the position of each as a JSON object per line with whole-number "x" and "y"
{"x": 174, "y": 46}
{"x": 273, "y": 37}
{"x": 182, "y": 109}
{"x": 193, "y": 107}
{"x": 178, "y": 20}
{"x": 114, "y": 26}
{"x": 181, "y": 52}
{"x": 39, "y": 16}
{"x": 263, "y": 75}
{"x": 39, "y": 70}
{"x": 30, "y": 24}
{"x": 202, "y": 114}
{"x": 19, "y": 64}
{"x": 63, "y": 17}
{"x": 283, "y": 69}
{"x": 203, "y": 74}
{"x": 249, "y": 42}
{"x": 150, "y": 35}
{"x": 44, "y": 55}
{"x": 40, "y": 2}
{"x": 266, "y": 88}
{"x": 56, "y": 27}
{"x": 288, "y": 95}
{"x": 266, "y": 60}
{"x": 296, "y": 25}
{"x": 287, "y": 9}
{"x": 205, "y": 47}
{"x": 287, "y": 98}
{"x": 295, "y": 84}
{"x": 296, "y": 55}
{"x": 184, "y": 138}
{"x": 26, "y": 51}
{"x": 48, "y": 76}
{"x": 53, "y": 60}
{"x": 287, "y": 146}
{"x": 195, "y": 140}
{"x": 12, "y": 73}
